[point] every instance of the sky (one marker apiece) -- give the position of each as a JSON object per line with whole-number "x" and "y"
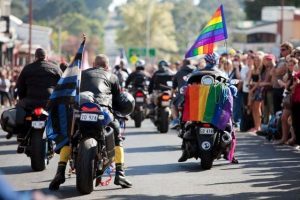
{"x": 120, "y": 2}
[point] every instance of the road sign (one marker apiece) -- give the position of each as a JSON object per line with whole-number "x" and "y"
{"x": 141, "y": 52}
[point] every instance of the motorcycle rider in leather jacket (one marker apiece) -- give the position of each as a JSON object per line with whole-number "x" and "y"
{"x": 35, "y": 84}
{"x": 211, "y": 66}
{"x": 106, "y": 89}
{"x": 137, "y": 78}
{"x": 159, "y": 82}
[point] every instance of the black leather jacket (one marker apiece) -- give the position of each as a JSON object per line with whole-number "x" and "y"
{"x": 103, "y": 84}
{"x": 159, "y": 80}
{"x": 36, "y": 83}
{"x": 137, "y": 79}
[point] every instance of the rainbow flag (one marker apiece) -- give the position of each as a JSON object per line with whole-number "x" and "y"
{"x": 211, "y": 104}
{"x": 214, "y": 31}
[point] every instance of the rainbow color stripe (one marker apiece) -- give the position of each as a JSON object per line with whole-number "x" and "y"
{"x": 214, "y": 31}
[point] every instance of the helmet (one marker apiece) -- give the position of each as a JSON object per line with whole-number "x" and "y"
{"x": 162, "y": 64}
{"x": 86, "y": 97}
{"x": 124, "y": 105}
{"x": 140, "y": 64}
{"x": 211, "y": 59}
{"x": 8, "y": 120}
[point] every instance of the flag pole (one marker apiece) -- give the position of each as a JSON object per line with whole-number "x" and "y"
{"x": 74, "y": 110}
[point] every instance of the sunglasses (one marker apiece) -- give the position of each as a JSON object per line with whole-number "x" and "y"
{"x": 283, "y": 49}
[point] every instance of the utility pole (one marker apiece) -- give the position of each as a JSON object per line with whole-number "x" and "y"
{"x": 148, "y": 30}
{"x": 281, "y": 22}
{"x": 30, "y": 31}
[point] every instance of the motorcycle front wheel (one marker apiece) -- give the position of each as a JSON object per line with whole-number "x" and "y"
{"x": 85, "y": 166}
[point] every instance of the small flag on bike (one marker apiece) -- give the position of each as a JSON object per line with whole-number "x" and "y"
{"x": 67, "y": 89}
{"x": 214, "y": 31}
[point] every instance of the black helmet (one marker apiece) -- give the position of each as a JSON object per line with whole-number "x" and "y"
{"x": 8, "y": 120}
{"x": 140, "y": 64}
{"x": 124, "y": 105}
{"x": 162, "y": 65}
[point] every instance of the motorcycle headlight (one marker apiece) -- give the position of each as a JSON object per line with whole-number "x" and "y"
{"x": 207, "y": 80}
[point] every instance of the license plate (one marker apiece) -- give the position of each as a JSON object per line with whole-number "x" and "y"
{"x": 139, "y": 99}
{"x": 165, "y": 103}
{"x": 88, "y": 117}
{"x": 206, "y": 131}
{"x": 38, "y": 124}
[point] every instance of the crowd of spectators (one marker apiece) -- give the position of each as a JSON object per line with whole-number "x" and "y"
{"x": 268, "y": 90}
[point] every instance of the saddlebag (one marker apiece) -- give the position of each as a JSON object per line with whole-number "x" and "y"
{"x": 110, "y": 142}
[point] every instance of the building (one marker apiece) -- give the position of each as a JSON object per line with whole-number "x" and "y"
{"x": 5, "y": 35}
{"x": 277, "y": 24}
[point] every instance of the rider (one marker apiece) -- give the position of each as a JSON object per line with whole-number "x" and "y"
{"x": 138, "y": 77}
{"x": 211, "y": 66}
{"x": 179, "y": 80}
{"x": 159, "y": 81}
{"x": 35, "y": 83}
{"x": 106, "y": 89}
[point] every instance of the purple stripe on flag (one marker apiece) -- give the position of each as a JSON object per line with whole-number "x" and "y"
{"x": 210, "y": 40}
{"x": 211, "y": 34}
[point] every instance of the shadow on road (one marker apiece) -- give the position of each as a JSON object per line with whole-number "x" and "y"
{"x": 152, "y": 149}
{"x": 249, "y": 196}
{"x": 20, "y": 169}
{"x": 6, "y": 152}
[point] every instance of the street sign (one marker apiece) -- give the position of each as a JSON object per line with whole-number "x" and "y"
{"x": 141, "y": 52}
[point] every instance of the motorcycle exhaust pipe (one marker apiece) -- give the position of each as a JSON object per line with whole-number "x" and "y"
{"x": 226, "y": 139}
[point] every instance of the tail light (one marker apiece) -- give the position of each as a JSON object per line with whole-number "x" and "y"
{"x": 88, "y": 109}
{"x": 165, "y": 97}
{"x": 139, "y": 94}
{"x": 206, "y": 125}
{"x": 38, "y": 111}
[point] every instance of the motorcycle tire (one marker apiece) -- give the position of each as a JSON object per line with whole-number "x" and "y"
{"x": 207, "y": 161}
{"x": 138, "y": 118}
{"x": 163, "y": 122}
{"x": 38, "y": 151}
{"x": 85, "y": 166}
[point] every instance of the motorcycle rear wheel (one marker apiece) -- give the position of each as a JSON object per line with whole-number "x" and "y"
{"x": 207, "y": 161}
{"x": 138, "y": 118}
{"x": 85, "y": 166}
{"x": 37, "y": 151}
{"x": 163, "y": 121}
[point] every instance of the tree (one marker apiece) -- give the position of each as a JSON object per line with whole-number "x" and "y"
{"x": 253, "y": 8}
{"x": 162, "y": 30}
{"x": 18, "y": 8}
{"x": 188, "y": 22}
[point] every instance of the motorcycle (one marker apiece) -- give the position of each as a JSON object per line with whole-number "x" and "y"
{"x": 139, "y": 113}
{"x": 206, "y": 140}
{"x": 34, "y": 143}
{"x": 162, "y": 110}
{"x": 92, "y": 146}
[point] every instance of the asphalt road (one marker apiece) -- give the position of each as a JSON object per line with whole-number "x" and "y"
{"x": 265, "y": 171}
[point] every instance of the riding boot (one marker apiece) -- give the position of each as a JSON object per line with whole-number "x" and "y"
{"x": 120, "y": 178}
{"x": 184, "y": 156}
{"x": 59, "y": 177}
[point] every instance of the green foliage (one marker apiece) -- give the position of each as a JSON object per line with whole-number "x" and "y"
{"x": 188, "y": 22}
{"x": 253, "y": 8}
{"x": 19, "y": 9}
{"x": 72, "y": 17}
{"x": 162, "y": 30}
